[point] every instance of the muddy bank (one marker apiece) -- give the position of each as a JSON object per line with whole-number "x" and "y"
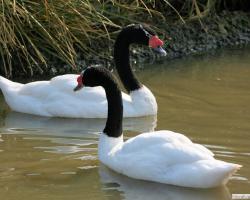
{"x": 213, "y": 32}
{"x": 194, "y": 37}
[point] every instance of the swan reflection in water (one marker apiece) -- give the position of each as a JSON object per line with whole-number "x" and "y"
{"x": 16, "y": 122}
{"x": 144, "y": 190}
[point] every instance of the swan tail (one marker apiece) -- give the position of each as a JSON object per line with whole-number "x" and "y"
{"x": 204, "y": 174}
{"x": 6, "y": 84}
{"x": 230, "y": 169}
{"x": 219, "y": 173}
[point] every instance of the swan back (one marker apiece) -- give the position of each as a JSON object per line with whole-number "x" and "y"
{"x": 7, "y": 85}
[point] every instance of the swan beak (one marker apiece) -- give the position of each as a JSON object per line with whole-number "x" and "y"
{"x": 78, "y": 87}
{"x": 160, "y": 51}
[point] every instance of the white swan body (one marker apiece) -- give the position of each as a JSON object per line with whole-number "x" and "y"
{"x": 55, "y": 98}
{"x": 165, "y": 157}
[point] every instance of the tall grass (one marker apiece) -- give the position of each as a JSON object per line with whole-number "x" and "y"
{"x": 32, "y": 31}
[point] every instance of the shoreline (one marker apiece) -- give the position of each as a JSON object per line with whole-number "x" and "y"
{"x": 217, "y": 31}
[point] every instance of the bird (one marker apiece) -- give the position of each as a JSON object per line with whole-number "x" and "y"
{"x": 55, "y": 98}
{"x": 160, "y": 156}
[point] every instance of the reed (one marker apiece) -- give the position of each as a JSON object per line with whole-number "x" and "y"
{"x": 33, "y": 31}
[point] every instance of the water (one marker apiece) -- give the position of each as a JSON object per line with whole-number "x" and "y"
{"x": 204, "y": 97}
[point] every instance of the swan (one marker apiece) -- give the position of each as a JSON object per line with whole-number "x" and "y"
{"x": 160, "y": 156}
{"x": 55, "y": 98}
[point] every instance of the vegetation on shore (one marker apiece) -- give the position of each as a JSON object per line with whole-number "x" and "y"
{"x": 35, "y": 32}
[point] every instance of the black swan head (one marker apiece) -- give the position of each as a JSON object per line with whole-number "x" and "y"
{"x": 132, "y": 34}
{"x": 94, "y": 76}
{"x": 100, "y": 76}
{"x": 139, "y": 34}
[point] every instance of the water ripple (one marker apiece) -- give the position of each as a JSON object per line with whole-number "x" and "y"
{"x": 65, "y": 149}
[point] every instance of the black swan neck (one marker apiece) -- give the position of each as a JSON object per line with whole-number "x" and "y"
{"x": 122, "y": 62}
{"x": 113, "y": 126}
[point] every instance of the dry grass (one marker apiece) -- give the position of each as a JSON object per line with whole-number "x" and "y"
{"x": 32, "y": 30}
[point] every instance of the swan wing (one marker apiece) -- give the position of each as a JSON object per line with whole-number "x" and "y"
{"x": 167, "y": 147}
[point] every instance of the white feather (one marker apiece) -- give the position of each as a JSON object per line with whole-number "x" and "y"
{"x": 165, "y": 157}
{"x": 56, "y": 98}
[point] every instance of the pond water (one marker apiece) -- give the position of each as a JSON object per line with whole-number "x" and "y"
{"x": 206, "y": 97}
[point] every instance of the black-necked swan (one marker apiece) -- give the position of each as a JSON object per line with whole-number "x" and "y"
{"x": 55, "y": 98}
{"x": 160, "y": 156}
